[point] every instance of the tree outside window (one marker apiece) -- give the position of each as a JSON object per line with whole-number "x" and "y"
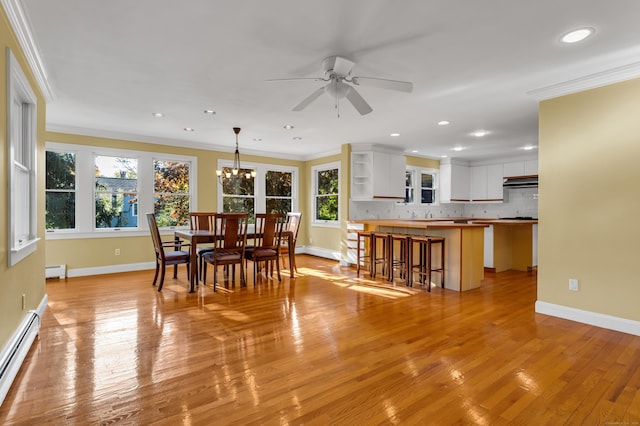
{"x": 278, "y": 192}
{"x": 116, "y": 191}
{"x": 327, "y": 188}
{"x": 60, "y": 190}
{"x": 408, "y": 189}
{"x": 427, "y": 188}
{"x": 238, "y": 193}
{"x": 171, "y": 200}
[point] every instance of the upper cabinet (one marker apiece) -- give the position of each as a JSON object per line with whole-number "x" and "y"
{"x": 377, "y": 172}
{"x": 454, "y": 181}
{"x": 521, "y": 168}
{"x": 486, "y": 183}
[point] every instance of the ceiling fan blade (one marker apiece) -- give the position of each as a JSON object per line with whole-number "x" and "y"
{"x": 312, "y": 97}
{"x": 358, "y": 101}
{"x": 402, "y": 86}
{"x": 296, "y": 79}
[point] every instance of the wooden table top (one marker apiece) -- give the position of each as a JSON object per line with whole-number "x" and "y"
{"x": 421, "y": 223}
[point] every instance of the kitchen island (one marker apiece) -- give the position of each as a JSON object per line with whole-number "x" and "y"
{"x": 510, "y": 244}
{"x": 464, "y": 246}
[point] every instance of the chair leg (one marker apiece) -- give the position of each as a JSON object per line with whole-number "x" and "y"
{"x": 155, "y": 277}
{"x": 161, "y": 283}
{"x": 278, "y": 270}
{"x": 215, "y": 276}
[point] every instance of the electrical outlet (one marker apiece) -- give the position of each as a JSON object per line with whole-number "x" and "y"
{"x": 573, "y": 284}
{"x": 24, "y": 302}
{"x": 117, "y": 252}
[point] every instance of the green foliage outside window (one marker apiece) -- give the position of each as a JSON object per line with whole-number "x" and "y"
{"x": 60, "y": 202}
{"x": 327, "y": 190}
{"x": 171, "y": 193}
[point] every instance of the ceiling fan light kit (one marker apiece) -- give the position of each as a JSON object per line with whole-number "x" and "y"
{"x": 337, "y": 73}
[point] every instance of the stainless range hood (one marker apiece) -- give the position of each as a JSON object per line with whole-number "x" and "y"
{"x": 530, "y": 181}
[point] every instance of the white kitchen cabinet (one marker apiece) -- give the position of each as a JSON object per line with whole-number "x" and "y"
{"x": 486, "y": 183}
{"x": 454, "y": 181}
{"x": 377, "y": 174}
{"x": 514, "y": 168}
{"x": 531, "y": 167}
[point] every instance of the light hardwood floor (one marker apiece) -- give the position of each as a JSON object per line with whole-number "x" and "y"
{"x": 322, "y": 348}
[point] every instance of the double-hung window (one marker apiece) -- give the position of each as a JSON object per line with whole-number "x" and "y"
{"x": 90, "y": 190}
{"x": 326, "y": 197}
{"x": 238, "y": 192}
{"x": 421, "y": 186}
{"x": 22, "y": 214}
{"x": 116, "y": 191}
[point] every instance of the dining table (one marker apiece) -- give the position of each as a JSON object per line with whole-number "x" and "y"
{"x": 195, "y": 237}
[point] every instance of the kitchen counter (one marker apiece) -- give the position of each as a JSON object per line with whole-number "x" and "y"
{"x": 510, "y": 244}
{"x": 464, "y": 245}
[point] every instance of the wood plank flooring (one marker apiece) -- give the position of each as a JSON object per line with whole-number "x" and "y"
{"x": 323, "y": 348}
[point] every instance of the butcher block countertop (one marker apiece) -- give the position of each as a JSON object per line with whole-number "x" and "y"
{"x": 505, "y": 221}
{"x": 453, "y": 223}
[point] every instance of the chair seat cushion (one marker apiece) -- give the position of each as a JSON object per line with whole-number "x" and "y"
{"x": 224, "y": 257}
{"x": 260, "y": 253}
{"x": 176, "y": 256}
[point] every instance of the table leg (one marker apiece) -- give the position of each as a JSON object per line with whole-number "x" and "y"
{"x": 193, "y": 267}
{"x": 292, "y": 256}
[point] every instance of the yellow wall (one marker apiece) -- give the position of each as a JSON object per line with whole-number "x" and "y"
{"x": 26, "y": 277}
{"x": 99, "y": 252}
{"x": 589, "y": 156}
{"x": 427, "y": 163}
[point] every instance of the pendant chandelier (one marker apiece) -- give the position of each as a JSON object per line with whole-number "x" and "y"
{"x": 235, "y": 170}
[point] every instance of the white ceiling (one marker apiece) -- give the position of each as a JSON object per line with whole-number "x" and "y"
{"x": 111, "y": 64}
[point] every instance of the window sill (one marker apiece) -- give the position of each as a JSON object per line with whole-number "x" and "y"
{"x": 16, "y": 254}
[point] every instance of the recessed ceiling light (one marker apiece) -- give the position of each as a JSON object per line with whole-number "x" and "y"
{"x": 528, "y": 147}
{"x": 297, "y": 138}
{"x": 443, "y": 156}
{"x": 157, "y": 114}
{"x": 479, "y": 133}
{"x": 458, "y": 148}
{"x": 209, "y": 112}
{"x": 443, "y": 122}
{"x": 394, "y": 135}
{"x": 288, "y": 126}
{"x": 577, "y": 35}
{"x": 414, "y": 151}
{"x": 189, "y": 129}
{"x": 257, "y": 139}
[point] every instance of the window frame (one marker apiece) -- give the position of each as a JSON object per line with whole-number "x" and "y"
{"x": 259, "y": 188}
{"x": 416, "y": 186}
{"x": 75, "y": 190}
{"x": 85, "y": 217}
{"x": 314, "y": 185}
{"x": 22, "y": 109}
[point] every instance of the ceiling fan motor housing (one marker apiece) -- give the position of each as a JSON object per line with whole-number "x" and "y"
{"x": 337, "y": 65}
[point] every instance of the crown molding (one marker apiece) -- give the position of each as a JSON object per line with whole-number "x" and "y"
{"x": 603, "y": 78}
{"x": 22, "y": 29}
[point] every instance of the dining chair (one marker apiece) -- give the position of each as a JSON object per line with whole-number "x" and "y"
{"x": 266, "y": 248}
{"x": 201, "y": 221}
{"x": 163, "y": 258}
{"x": 288, "y": 242}
{"x": 229, "y": 248}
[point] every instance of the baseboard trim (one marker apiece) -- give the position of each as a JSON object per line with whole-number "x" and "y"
{"x": 110, "y": 269}
{"x": 322, "y": 252}
{"x": 592, "y": 318}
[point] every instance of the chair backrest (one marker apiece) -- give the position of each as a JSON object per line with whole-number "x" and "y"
{"x": 269, "y": 228}
{"x": 202, "y": 221}
{"x": 293, "y": 224}
{"x": 155, "y": 235}
{"x": 232, "y": 227}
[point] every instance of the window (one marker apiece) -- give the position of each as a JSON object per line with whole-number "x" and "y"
{"x": 116, "y": 191}
{"x": 326, "y": 199}
{"x": 170, "y": 193}
{"x": 238, "y": 192}
{"x": 108, "y": 189}
{"x": 22, "y": 134}
{"x": 60, "y": 189}
{"x": 279, "y": 192}
{"x": 422, "y": 182}
{"x": 272, "y": 190}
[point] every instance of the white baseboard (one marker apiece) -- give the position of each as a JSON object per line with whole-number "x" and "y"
{"x": 321, "y": 252}
{"x": 110, "y": 269}
{"x": 592, "y": 318}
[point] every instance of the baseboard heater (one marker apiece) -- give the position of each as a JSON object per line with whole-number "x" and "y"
{"x": 16, "y": 350}
{"x": 56, "y": 271}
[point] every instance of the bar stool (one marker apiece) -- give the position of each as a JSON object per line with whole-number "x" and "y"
{"x": 380, "y": 253}
{"x": 399, "y": 256}
{"x": 424, "y": 267}
{"x": 364, "y": 250}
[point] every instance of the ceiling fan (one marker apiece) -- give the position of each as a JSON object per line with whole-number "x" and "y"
{"x": 337, "y": 73}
